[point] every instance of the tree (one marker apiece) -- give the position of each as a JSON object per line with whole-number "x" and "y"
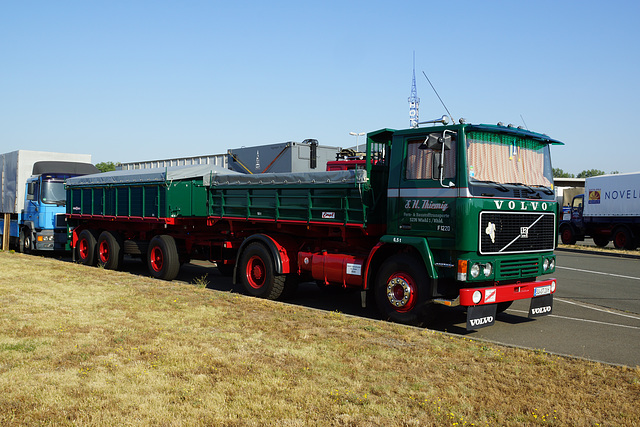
{"x": 106, "y": 166}
{"x": 559, "y": 173}
{"x": 589, "y": 173}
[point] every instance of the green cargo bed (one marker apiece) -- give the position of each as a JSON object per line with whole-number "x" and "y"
{"x": 313, "y": 197}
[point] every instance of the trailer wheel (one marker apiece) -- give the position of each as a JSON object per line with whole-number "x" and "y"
{"x": 601, "y": 241}
{"x": 257, "y": 273}
{"x": 24, "y": 241}
{"x": 622, "y": 239}
{"x": 162, "y": 258}
{"x": 401, "y": 291}
{"x": 110, "y": 252}
{"x": 86, "y": 247}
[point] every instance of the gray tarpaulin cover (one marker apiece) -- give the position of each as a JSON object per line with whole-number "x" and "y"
{"x": 153, "y": 175}
{"x": 348, "y": 176}
{"x": 213, "y": 176}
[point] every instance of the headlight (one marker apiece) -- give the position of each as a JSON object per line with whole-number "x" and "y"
{"x": 475, "y": 270}
{"x": 545, "y": 264}
{"x": 552, "y": 263}
{"x": 488, "y": 269}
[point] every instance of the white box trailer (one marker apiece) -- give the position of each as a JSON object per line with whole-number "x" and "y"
{"x": 612, "y": 195}
{"x": 16, "y": 168}
{"x": 609, "y": 210}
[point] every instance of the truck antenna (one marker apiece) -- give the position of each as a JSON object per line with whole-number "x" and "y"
{"x": 525, "y": 123}
{"x": 434, "y": 89}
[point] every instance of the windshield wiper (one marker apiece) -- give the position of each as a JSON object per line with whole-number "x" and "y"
{"x": 531, "y": 190}
{"x": 545, "y": 190}
{"x": 497, "y": 184}
{"x": 519, "y": 184}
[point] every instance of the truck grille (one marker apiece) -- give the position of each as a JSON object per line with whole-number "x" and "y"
{"x": 516, "y": 232}
{"x": 515, "y": 269}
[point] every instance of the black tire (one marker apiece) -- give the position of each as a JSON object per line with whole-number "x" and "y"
{"x": 256, "y": 272}
{"x": 567, "y": 235}
{"x": 109, "y": 250}
{"x": 622, "y": 239}
{"x": 24, "y": 241}
{"x": 402, "y": 291}
{"x": 601, "y": 241}
{"x": 86, "y": 247}
{"x": 162, "y": 258}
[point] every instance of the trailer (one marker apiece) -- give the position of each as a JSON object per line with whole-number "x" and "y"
{"x": 305, "y": 156}
{"x": 609, "y": 210}
{"x": 33, "y": 197}
{"x": 457, "y": 215}
{"x": 218, "y": 160}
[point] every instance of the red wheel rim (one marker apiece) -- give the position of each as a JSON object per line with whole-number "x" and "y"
{"x": 566, "y": 235}
{"x": 621, "y": 239}
{"x": 157, "y": 259}
{"x": 83, "y": 248}
{"x": 401, "y": 292}
{"x": 103, "y": 251}
{"x": 256, "y": 272}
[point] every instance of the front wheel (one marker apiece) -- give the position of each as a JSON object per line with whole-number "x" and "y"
{"x": 402, "y": 291}
{"x": 24, "y": 241}
{"x": 256, "y": 272}
{"x": 162, "y": 258}
{"x": 567, "y": 235}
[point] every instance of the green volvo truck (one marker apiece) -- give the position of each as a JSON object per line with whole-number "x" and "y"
{"x": 453, "y": 215}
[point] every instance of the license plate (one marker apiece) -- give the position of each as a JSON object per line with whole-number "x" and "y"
{"x": 542, "y": 290}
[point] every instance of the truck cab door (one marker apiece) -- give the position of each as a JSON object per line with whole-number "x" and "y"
{"x": 426, "y": 185}
{"x": 577, "y": 209}
{"x": 31, "y": 202}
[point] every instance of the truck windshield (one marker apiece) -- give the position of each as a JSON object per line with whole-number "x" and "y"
{"x": 53, "y": 193}
{"x": 508, "y": 159}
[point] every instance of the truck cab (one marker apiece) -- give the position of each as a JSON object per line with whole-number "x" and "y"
{"x": 42, "y": 221}
{"x": 475, "y": 204}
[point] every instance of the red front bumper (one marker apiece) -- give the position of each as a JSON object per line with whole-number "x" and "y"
{"x": 504, "y": 293}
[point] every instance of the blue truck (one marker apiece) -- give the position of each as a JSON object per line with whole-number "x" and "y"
{"x": 33, "y": 198}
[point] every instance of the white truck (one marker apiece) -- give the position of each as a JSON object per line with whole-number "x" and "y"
{"x": 32, "y": 197}
{"x": 609, "y": 210}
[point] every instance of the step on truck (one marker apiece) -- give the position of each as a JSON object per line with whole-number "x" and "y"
{"x": 608, "y": 211}
{"x": 451, "y": 215}
{"x": 32, "y": 201}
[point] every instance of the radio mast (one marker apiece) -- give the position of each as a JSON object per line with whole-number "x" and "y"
{"x": 414, "y": 101}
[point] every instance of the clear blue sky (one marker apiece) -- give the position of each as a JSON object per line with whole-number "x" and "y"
{"x": 143, "y": 80}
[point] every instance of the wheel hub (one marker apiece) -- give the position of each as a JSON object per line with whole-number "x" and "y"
{"x": 398, "y": 292}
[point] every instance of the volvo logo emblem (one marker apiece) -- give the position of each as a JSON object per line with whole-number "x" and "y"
{"x": 491, "y": 231}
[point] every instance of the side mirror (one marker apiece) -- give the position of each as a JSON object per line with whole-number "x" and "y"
{"x": 30, "y": 191}
{"x": 437, "y": 142}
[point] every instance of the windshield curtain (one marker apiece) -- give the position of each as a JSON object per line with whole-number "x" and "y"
{"x": 53, "y": 193}
{"x": 508, "y": 159}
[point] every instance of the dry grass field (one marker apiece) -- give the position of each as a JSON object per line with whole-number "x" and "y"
{"x": 90, "y": 347}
